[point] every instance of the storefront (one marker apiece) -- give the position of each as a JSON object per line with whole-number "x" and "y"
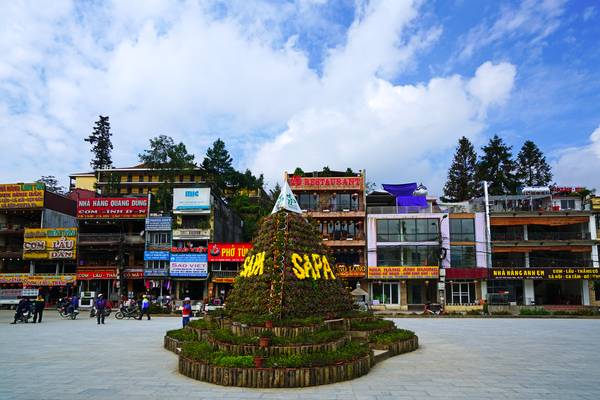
{"x": 52, "y": 287}
{"x": 99, "y": 280}
{"x": 464, "y": 287}
{"x": 403, "y": 287}
{"x": 189, "y": 272}
{"x": 352, "y": 274}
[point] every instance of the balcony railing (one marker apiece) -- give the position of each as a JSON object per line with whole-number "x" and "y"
{"x": 507, "y": 237}
{"x": 398, "y": 210}
{"x": 559, "y": 236}
{"x": 110, "y": 238}
{"x": 332, "y": 208}
{"x": 343, "y": 236}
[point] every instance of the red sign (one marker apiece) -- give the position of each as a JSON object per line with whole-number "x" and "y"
{"x": 133, "y": 274}
{"x": 234, "y": 252}
{"x": 466, "y": 273}
{"x": 566, "y": 189}
{"x": 340, "y": 183}
{"x": 112, "y": 207}
{"x": 188, "y": 250}
{"x": 90, "y": 274}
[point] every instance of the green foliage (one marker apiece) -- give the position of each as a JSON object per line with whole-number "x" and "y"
{"x": 101, "y": 144}
{"x": 183, "y": 335}
{"x": 52, "y": 184}
{"x": 320, "y": 336}
{"x": 298, "y": 172}
{"x": 461, "y": 184}
{"x": 532, "y": 168}
{"x": 387, "y": 338}
{"x": 218, "y": 163}
{"x": 298, "y": 321}
{"x": 584, "y": 312}
{"x": 349, "y": 352}
{"x": 534, "y": 311}
{"x": 473, "y": 312}
{"x": 371, "y": 325}
{"x": 355, "y": 314}
{"x": 226, "y": 336}
{"x": 497, "y": 167}
{"x": 234, "y": 361}
{"x": 501, "y": 313}
{"x": 202, "y": 324}
{"x": 199, "y": 351}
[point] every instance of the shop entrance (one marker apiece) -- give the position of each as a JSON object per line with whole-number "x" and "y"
{"x": 192, "y": 289}
{"x": 419, "y": 292}
{"x": 557, "y": 292}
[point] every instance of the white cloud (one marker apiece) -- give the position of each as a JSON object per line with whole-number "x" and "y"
{"x": 573, "y": 165}
{"x": 589, "y": 13}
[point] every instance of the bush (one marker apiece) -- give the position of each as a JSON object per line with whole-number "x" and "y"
{"x": 156, "y": 309}
{"x": 225, "y": 335}
{"x": 561, "y": 312}
{"x": 321, "y": 336}
{"x": 251, "y": 320}
{"x": 308, "y": 321}
{"x": 349, "y": 352}
{"x": 356, "y": 314}
{"x": 387, "y": 338}
{"x": 474, "y": 312}
{"x": 202, "y": 324}
{"x": 199, "y": 351}
{"x": 586, "y": 312}
{"x": 183, "y": 335}
{"x": 371, "y": 325}
{"x": 234, "y": 361}
{"x": 534, "y": 311}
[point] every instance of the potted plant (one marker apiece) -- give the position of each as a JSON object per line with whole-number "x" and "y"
{"x": 259, "y": 361}
{"x": 269, "y": 322}
{"x": 265, "y": 339}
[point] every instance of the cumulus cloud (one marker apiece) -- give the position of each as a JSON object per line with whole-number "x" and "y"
{"x": 573, "y": 165}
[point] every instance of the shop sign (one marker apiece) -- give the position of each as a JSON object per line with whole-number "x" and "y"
{"x": 91, "y": 274}
{"x": 157, "y": 255}
{"x": 188, "y": 249}
{"x": 351, "y": 271}
{"x": 326, "y": 182}
{"x": 191, "y": 199}
{"x": 595, "y": 203}
{"x": 158, "y": 224}
{"x": 234, "y": 252}
{"x": 22, "y": 195}
{"x": 200, "y": 234}
{"x": 156, "y": 272}
{"x": 112, "y": 207}
{"x": 404, "y": 272}
{"x": 133, "y": 274}
{"x": 223, "y": 280}
{"x": 38, "y": 280}
{"x": 545, "y": 273}
{"x": 190, "y": 265}
{"x": 566, "y": 189}
{"x": 50, "y": 244}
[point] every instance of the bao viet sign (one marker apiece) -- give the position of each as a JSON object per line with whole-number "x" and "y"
{"x": 189, "y": 265}
{"x": 158, "y": 224}
{"x": 545, "y": 273}
{"x": 351, "y": 271}
{"x": 50, "y": 244}
{"x": 404, "y": 272}
{"x": 234, "y": 252}
{"x": 191, "y": 199}
{"x": 348, "y": 182}
{"x": 112, "y": 207}
{"x": 22, "y": 195}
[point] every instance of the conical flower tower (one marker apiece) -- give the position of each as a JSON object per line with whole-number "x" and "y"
{"x": 288, "y": 273}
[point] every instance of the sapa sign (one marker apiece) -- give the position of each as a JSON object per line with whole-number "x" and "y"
{"x": 304, "y": 266}
{"x": 191, "y": 200}
{"x": 112, "y": 207}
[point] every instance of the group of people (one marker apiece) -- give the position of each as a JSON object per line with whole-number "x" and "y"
{"x": 26, "y": 306}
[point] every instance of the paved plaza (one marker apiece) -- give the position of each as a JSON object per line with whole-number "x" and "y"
{"x": 459, "y": 358}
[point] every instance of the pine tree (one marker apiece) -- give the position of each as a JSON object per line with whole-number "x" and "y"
{"x": 101, "y": 144}
{"x": 274, "y": 193}
{"x": 461, "y": 184}
{"x": 532, "y": 168}
{"x": 218, "y": 163}
{"x": 497, "y": 167}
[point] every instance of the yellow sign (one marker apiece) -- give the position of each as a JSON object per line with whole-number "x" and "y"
{"x": 22, "y": 195}
{"x": 304, "y": 266}
{"x": 595, "y": 203}
{"x": 417, "y": 272}
{"x": 38, "y": 280}
{"x": 50, "y": 244}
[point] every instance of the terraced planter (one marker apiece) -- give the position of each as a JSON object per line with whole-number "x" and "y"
{"x": 172, "y": 344}
{"x": 282, "y": 331}
{"x": 245, "y": 349}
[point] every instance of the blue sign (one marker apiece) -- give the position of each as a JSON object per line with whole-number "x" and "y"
{"x": 189, "y": 264}
{"x": 159, "y": 223}
{"x": 156, "y": 255}
{"x": 156, "y": 272}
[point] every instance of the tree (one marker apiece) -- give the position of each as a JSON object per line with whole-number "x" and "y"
{"x": 298, "y": 172}
{"x": 497, "y": 167}
{"x": 274, "y": 193}
{"x": 326, "y": 171}
{"x": 532, "y": 168}
{"x": 461, "y": 184}
{"x": 170, "y": 160}
{"x": 218, "y": 163}
{"x": 101, "y": 144}
{"x": 52, "y": 184}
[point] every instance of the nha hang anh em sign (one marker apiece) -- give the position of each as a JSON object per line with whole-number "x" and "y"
{"x": 305, "y": 266}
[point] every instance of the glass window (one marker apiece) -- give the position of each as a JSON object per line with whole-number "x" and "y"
{"x": 308, "y": 201}
{"x": 462, "y": 230}
{"x": 407, "y": 255}
{"x": 386, "y": 293}
{"x": 463, "y": 257}
{"x": 407, "y": 230}
{"x": 567, "y": 204}
{"x": 461, "y": 292}
{"x": 343, "y": 201}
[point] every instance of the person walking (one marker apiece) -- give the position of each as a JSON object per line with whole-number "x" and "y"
{"x": 145, "y": 307}
{"x": 38, "y": 309}
{"x": 186, "y": 311}
{"x": 100, "y": 308}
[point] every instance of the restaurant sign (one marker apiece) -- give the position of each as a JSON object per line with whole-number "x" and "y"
{"x": 351, "y": 271}
{"x": 22, "y": 195}
{"x": 404, "y": 272}
{"x": 91, "y": 274}
{"x": 50, "y": 244}
{"x": 112, "y": 207}
{"x": 150, "y": 255}
{"x": 189, "y": 265}
{"x": 231, "y": 252}
{"x": 348, "y": 182}
{"x": 595, "y": 203}
{"x": 545, "y": 273}
{"x": 38, "y": 280}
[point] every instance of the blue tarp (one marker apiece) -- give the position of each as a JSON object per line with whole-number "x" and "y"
{"x": 404, "y": 195}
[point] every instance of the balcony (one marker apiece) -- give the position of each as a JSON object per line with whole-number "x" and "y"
{"x": 191, "y": 233}
{"x": 398, "y": 210}
{"x": 559, "y": 236}
{"x": 11, "y": 251}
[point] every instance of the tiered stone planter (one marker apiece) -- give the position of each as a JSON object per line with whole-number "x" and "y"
{"x": 282, "y": 331}
{"x": 172, "y": 344}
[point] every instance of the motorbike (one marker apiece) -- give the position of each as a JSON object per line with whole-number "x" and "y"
{"x": 66, "y": 314}
{"x": 25, "y": 316}
{"x": 107, "y": 311}
{"x": 128, "y": 312}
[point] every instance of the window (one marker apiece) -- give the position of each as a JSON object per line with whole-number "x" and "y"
{"x": 461, "y": 292}
{"x": 507, "y": 232}
{"x": 343, "y": 201}
{"x": 462, "y": 230}
{"x": 308, "y": 201}
{"x": 407, "y": 230}
{"x": 141, "y": 178}
{"x": 508, "y": 260}
{"x": 159, "y": 238}
{"x": 407, "y": 255}
{"x": 157, "y": 264}
{"x": 386, "y": 293}
{"x": 388, "y": 230}
{"x": 462, "y": 257}
{"x": 129, "y": 177}
{"x": 567, "y": 204}
{"x": 140, "y": 190}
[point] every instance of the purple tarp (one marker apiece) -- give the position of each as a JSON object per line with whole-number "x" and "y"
{"x": 404, "y": 195}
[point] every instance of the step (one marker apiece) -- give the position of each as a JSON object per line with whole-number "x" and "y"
{"x": 380, "y": 355}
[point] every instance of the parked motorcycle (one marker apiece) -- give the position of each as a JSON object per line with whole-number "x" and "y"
{"x": 25, "y": 316}
{"x": 127, "y": 312}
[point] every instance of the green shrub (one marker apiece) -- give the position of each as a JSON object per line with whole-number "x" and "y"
{"x": 234, "y": 361}
{"x": 199, "y": 351}
{"x": 349, "y": 352}
{"x": 251, "y": 320}
{"x": 289, "y": 322}
{"x": 182, "y": 335}
{"x": 561, "y": 312}
{"x": 321, "y": 336}
{"x": 355, "y": 314}
{"x": 534, "y": 311}
{"x": 156, "y": 309}
{"x": 586, "y": 312}
{"x": 225, "y": 335}
{"x": 474, "y": 312}
{"x": 202, "y": 324}
{"x": 387, "y": 338}
{"x": 371, "y": 325}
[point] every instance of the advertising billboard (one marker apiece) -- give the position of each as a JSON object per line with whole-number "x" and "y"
{"x": 50, "y": 244}
{"x": 196, "y": 200}
{"x": 545, "y": 273}
{"x": 22, "y": 195}
{"x": 232, "y": 252}
{"x": 112, "y": 207}
{"x": 156, "y": 255}
{"x": 158, "y": 224}
{"x": 193, "y": 265}
{"x": 402, "y": 272}
{"x": 38, "y": 280}
{"x": 91, "y": 274}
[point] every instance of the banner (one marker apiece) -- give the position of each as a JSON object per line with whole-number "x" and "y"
{"x": 545, "y": 273}
{"x": 38, "y": 280}
{"x": 158, "y": 224}
{"x": 189, "y": 265}
{"x": 22, "y": 195}
{"x": 417, "y": 272}
{"x": 50, "y": 244}
{"x": 232, "y": 252}
{"x": 191, "y": 199}
{"x": 351, "y": 271}
{"x": 91, "y": 274}
{"x": 156, "y": 255}
{"x": 352, "y": 182}
{"x": 112, "y": 207}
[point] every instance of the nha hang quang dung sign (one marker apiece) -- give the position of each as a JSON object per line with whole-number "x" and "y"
{"x": 304, "y": 266}
{"x": 50, "y": 244}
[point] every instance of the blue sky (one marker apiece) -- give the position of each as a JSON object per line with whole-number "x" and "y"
{"x": 384, "y": 85}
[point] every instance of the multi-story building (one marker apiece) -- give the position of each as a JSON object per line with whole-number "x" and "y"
{"x": 157, "y": 254}
{"x": 38, "y": 234}
{"x": 336, "y": 200}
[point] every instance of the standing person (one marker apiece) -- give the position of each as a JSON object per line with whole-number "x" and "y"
{"x": 145, "y": 307}
{"x": 38, "y": 309}
{"x": 186, "y": 311}
{"x": 100, "y": 308}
